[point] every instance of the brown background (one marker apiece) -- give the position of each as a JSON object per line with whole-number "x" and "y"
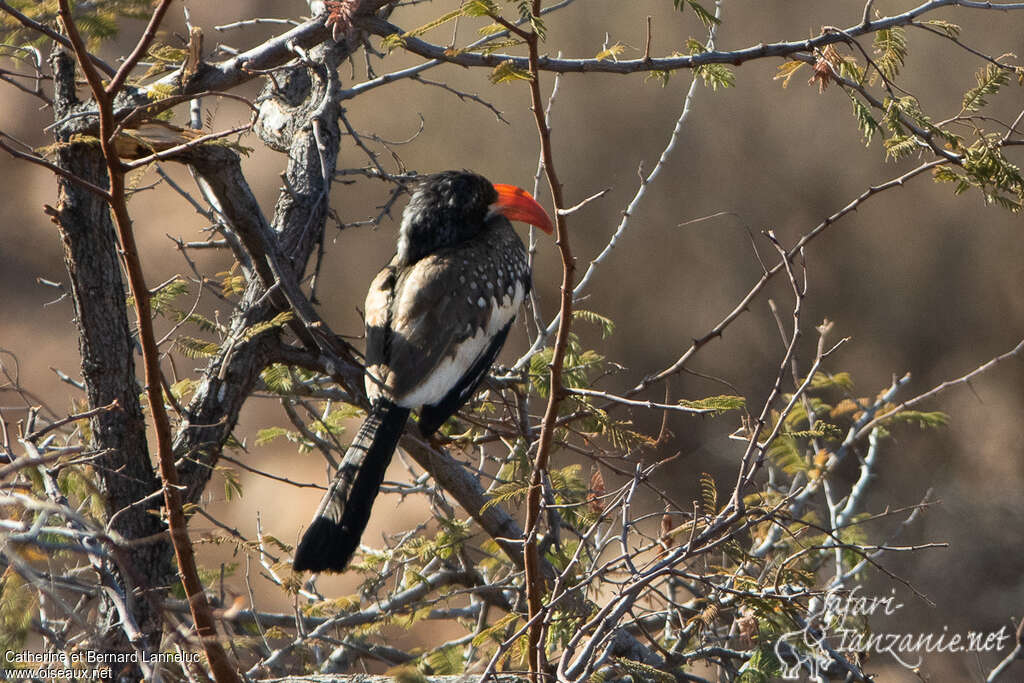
{"x": 922, "y": 281}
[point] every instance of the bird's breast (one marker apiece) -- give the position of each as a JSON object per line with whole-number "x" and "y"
{"x": 430, "y": 321}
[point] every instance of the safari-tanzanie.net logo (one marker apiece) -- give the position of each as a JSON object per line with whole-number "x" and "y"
{"x": 837, "y": 627}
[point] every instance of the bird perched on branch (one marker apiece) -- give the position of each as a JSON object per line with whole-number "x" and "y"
{"x": 436, "y": 317}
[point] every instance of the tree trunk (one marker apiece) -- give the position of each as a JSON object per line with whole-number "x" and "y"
{"x": 124, "y": 471}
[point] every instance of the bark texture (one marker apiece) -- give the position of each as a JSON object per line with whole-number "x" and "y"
{"x": 299, "y": 115}
{"x": 125, "y": 472}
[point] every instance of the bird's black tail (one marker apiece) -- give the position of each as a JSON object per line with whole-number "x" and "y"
{"x": 333, "y": 537}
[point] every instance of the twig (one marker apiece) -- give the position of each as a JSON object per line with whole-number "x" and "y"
{"x": 985, "y": 367}
{"x": 641, "y": 404}
{"x": 620, "y": 230}
{"x": 268, "y": 475}
{"x": 531, "y": 557}
{"x": 734, "y": 57}
{"x": 1015, "y": 654}
{"x": 866, "y": 16}
{"x": 184, "y": 147}
{"x": 140, "y": 49}
{"x": 373, "y": 613}
{"x": 40, "y": 161}
{"x": 745, "y": 302}
{"x": 473, "y": 97}
{"x": 258, "y": 21}
{"x": 34, "y": 436}
{"x": 573, "y": 209}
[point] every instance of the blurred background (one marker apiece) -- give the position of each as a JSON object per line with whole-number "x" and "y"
{"x": 921, "y": 281}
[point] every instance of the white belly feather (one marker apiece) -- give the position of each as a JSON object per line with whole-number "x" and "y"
{"x": 452, "y": 367}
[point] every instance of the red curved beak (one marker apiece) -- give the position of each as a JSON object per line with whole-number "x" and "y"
{"x": 516, "y": 204}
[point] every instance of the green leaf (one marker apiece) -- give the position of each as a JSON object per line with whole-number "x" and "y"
{"x": 622, "y": 438}
{"x": 278, "y": 378}
{"x": 661, "y": 76}
{"x": 445, "y": 661}
{"x": 785, "y": 453}
{"x": 440, "y": 21}
{"x": 838, "y": 380}
{"x": 504, "y": 493}
{"x": 200, "y": 321}
{"x": 890, "y": 50}
{"x": 278, "y": 321}
{"x": 232, "y": 486}
{"x": 944, "y": 174}
{"x": 798, "y": 415}
{"x": 763, "y": 665}
{"x": 716, "y": 76}
{"x": 1011, "y": 205}
{"x": 849, "y": 68}
{"x": 268, "y": 434}
{"x": 490, "y": 30}
{"x": 900, "y": 146}
{"x": 97, "y": 21}
{"x": 786, "y": 70}
{"x": 707, "y": 18}
{"x": 540, "y": 375}
{"x": 568, "y": 484}
{"x": 183, "y": 389}
{"x": 392, "y": 42}
{"x": 708, "y": 494}
{"x": 167, "y": 54}
{"x": 498, "y": 45}
{"x": 479, "y": 8}
{"x": 607, "y": 324}
{"x": 903, "y": 113}
{"x": 526, "y": 16}
{"x": 495, "y": 632}
{"x": 18, "y": 609}
{"x": 449, "y": 539}
{"x": 161, "y": 91}
{"x": 231, "y": 284}
{"x": 990, "y": 79}
{"x": 162, "y": 300}
{"x": 507, "y": 72}
{"x": 577, "y": 366}
{"x": 925, "y": 420}
{"x": 987, "y": 168}
{"x": 718, "y": 404}
{"x": 190, "y": 347}
{"x": 821, "y": 430}
{"x": 612, "y": 52}
{"x": 865, "y": 121}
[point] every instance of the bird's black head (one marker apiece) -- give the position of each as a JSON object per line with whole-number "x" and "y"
{"x": 446, "y": 209}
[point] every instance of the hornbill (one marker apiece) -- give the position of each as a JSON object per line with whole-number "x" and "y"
{"x": 436, "y": 317}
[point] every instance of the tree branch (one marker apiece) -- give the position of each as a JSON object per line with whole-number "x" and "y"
{"x": 534, "y": 580}
{"x": 222, "y": 669}
{"x": 141, "y": 47}
{"x": 420, "y": 47}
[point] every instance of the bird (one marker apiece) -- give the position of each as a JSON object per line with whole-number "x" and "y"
{"x": 436, "y": 317}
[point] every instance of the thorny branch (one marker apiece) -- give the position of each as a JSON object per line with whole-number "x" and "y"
{"x": 629, "y": 66}
{"x": 194, "y": 592}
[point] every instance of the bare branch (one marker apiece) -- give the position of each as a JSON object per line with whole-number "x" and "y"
{"x": 630, "y": 66}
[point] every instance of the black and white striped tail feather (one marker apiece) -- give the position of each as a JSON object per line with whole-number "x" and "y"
{"x": 333, "y": 536}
